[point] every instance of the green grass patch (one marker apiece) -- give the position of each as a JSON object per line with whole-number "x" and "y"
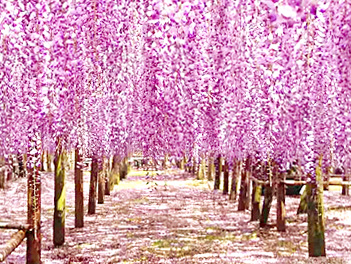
{"x": 173, "y": 248}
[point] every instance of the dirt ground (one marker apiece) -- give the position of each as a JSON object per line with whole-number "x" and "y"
{"x": 173, "y": 218}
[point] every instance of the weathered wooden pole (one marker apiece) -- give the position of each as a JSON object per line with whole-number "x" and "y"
{"x": 226, "y": 177}
{"x": 101, "y": 182}
{"x": 315, "y": 215}
{"x": 281, "y": 214}
{"x": 12, "y": 244}
{"x": 345, "y": 188}
{"x": 21, "y": 166}
{"x": 60, "y": 196}
{"x": 33, "y": 204}
{"x": 244, "y": 197}
{"x": 211, "y": 169}
{"x": 218, "y": 166}
{"x": 93, "y": 185}
{"x": 233, "y": 190}
{"x": 256, "y": 201}
{"x": 268, "y": 198}
{"x": 79, "y": 197}
{"x": 115, "y": 169}
{"x": 107, "y": 173}
{"x": 48, "y": 161}
{"x": 182, "y": 163}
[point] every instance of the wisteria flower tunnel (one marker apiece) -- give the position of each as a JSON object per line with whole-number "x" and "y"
{"x": 249, "y": 81}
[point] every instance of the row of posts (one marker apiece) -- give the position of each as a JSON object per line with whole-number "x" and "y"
{"x": 247, "y": 184}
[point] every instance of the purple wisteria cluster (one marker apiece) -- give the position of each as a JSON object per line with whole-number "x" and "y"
{"x": 200, "y": 77}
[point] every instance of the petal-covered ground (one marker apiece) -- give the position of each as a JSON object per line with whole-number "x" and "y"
{"x": 173, "y": 218}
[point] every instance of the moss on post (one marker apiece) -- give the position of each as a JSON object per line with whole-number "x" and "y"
{"x": 60, "y": 197}
{"x": 315, "y": 215}
{"x": 256, "y": 201}
{"x": 267, "y": 203}
{"x": 48, "y": 161}
{"x": 115, "y": 170}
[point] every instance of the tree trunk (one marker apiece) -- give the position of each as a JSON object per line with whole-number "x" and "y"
{"x": 211, "y": 169}
{"x": 302, "y": 209}
{"x": 107, "y": 182}
{"x": 233, "y": 192}
{"x": 268, "y": 198}
{"x": 345, "y": 188}
{"x": 2, "y": 177}
{"x": 21, "y": 166}
{"x": 316, "y": 242}
{"x": 48, "y": 161}
{"x": 217, "y": 181}
{"x": 244, "y": 197}
{"x": 60, "y": 197}
{"x": 93, "y": 184}
{"x": 79, "y": 198}
{"x": 315, "y": 215}
{"x": 281, "y": 226}
{"x": 101, "y": 186}
{"x": 124, "y": 169}
{"x": 42, "y": 161}
{"x": 182, "y": 163}
{"x": 193, "y": 168}
{"x": 226, "y": 178}
{"x": 33, "y": 207}
{"x": 115, "y": 170}
{"x": 256, "y": 201}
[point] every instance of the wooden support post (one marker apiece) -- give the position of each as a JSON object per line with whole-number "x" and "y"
{"x": 33, "y": 208}
{"x": 2, "y": 177}
{"x": 233, "y": 193}
{"x": 60, "y": 197}
{"x": 93, "y": 184}
{"x": 193, "y": 168}
{"x": 21, "y": 166}
{"x": 182, "y": 164}
{"x": 281, "y": 214}
{"x": 107, "y": 182}
{"x": 101, "y": 186}
{"x": 226, "y": 178}
{"x": 12, "y": 244}
{"x": 267, "y": 203}
{"x": 211, "y": 169}
{"x": 115, "y": 169}
{"x": 316, "y": 241}
{"x": 79, "y": 197}
{"x": 256, "y": 201}
{"x": 345, "y": 187}
{"x": 217, "y": 181}
{"x": 48, "y": 161}
{"x": 315, "y": 215}
{"x": 244, "y": 195}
